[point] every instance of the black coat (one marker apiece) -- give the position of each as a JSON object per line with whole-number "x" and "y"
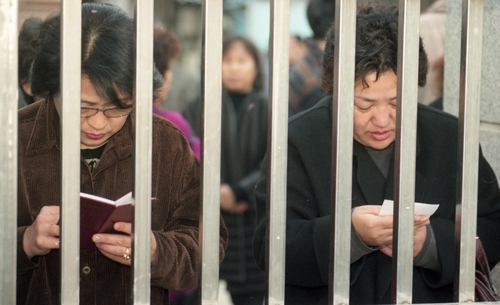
{"x": 243, "y": 146}
{"x": 308, "y": 209}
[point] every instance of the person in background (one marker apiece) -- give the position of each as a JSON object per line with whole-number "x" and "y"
{"x": 184, "y": 85}
{"x": 166, "y": 49}
{"x": 305, "y": 76}
{"x": 106, "y": 142}
{"x": 243, "y": 145}
{"x": 374, "y": 133}
{"x": 28, "y": 42}
{"x": 297, "y": 49}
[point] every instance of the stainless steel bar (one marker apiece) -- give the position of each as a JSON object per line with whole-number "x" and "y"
{"x": 8, "y": 153}
{"x": 405, "y": 150}
{"x": 143, "y": 139}
{"x": 342, "y": 133}
{"x": 468, "y": 148}
{"x": 211, "y": 150}
{"x": 71, "y": 20}
{"x": 277, "y": 143}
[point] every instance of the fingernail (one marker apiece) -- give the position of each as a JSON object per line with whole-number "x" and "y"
{"x": 96, "y": 238}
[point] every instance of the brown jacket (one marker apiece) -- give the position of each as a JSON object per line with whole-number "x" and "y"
{"x": 175, "y": 213}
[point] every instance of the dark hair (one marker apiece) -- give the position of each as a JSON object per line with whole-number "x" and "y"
{"x": 376, "y": 46}
{"x": 320, "y": 15}
{"x": 258, "y": 83}
{"x": 166, "y": 48}
{"x": 28, "y": 42}
{"x": 108, "y": 54}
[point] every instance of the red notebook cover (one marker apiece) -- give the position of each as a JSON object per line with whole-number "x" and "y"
{"x": 97, "y": 215}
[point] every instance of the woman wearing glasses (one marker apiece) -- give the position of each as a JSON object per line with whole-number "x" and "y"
{"x": 106, "y": 170}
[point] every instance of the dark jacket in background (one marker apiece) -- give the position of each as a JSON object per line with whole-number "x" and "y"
{"x": 175, "y": 213}
{"x": 305, "y": 88}
{"x": 308, "y": 209}
{"x": 243, "y": 146}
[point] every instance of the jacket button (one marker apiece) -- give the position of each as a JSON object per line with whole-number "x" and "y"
{"x": 86, "y": 270}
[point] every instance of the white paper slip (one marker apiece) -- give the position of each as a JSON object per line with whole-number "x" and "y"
{"x": 419, "y": 208}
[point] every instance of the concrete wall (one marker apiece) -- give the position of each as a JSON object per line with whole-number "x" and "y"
{"x": 490, "y": 78}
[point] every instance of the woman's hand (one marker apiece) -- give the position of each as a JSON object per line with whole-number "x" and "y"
{"x": 228, "y": 201}
{"x": 372, "y": 229}
{"x": 375, "y": 230}
{"x": 118, "y": 247}
{"x": 419, "y": 235}
{"x": 43, "y": 235}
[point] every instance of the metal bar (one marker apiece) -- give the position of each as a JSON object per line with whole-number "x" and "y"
{"x": 277, "y": 143}
{"x": 141, "y": 240}
{"x": 8, "y": 153}
{"x": 405, "y": 150}
{"x": 342, "y": 137}
{"x": 71, "y": 20}
{"x": 468, "y": 148}
{"x": 211, "y": 150}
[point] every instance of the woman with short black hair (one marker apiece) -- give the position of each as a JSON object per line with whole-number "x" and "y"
{"x": 107, "y": 100}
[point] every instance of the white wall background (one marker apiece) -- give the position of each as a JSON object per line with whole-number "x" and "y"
{"x": 257, "y": 17}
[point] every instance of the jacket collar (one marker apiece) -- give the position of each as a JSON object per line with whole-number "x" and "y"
{"x": 46, "y": 130}
{"x": 46, "y": 134}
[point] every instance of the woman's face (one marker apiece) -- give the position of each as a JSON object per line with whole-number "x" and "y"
{"x": 167, "y": 81}
{"x": 238, "y": 69}
{"x": 96, "y": 130}
{"x": 375, "y": 111}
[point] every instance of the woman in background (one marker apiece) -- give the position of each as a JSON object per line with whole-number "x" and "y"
{"x": 166, "y": 49}
{"x": 243, "y": 146}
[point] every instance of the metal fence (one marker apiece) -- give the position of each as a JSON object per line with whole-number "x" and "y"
{"x": 278, "y": 129}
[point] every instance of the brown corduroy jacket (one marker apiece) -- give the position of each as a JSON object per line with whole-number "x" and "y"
{"x": 174, "y": 215}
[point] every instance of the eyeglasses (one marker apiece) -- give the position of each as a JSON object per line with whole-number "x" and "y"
{"x": 115, "y": 112}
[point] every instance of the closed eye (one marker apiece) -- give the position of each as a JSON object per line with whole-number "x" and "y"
{"x": 364, "y": 108}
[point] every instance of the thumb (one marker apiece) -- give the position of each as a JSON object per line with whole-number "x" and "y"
{"x": 369, "y": 209}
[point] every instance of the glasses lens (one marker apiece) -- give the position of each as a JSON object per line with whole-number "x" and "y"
{"x": 88, "y": 112}
{"x": 117, "y": 112}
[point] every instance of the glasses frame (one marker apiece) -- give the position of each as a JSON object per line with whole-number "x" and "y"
{"x": 97, "y": 110}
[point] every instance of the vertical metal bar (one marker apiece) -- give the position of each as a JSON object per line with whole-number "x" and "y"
{"x": 71, "y": 19}
{"x": 468, "y": 148}
{"x": 405, "y": 150}
{"x": 8, "y": 151}
{"x": 211, "y": 150}
{"x": 277, "y": 143}
{"x": 342, "y": 137}
{"x": 141, "y": 242}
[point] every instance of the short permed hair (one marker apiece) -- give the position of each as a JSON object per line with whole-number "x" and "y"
{"x": 108, "y": 54}
{"x": 376, "y": 46}
{"x": 166, "y": 48}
